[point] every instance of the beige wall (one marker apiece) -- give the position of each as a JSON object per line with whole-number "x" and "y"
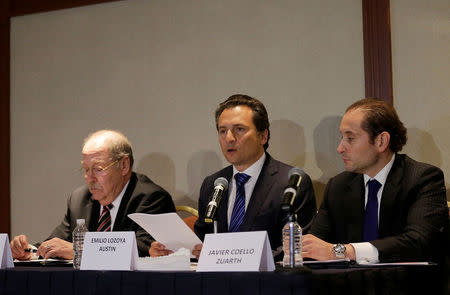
{"x": 421, "y": 73}
{"x": 157, "y": 69}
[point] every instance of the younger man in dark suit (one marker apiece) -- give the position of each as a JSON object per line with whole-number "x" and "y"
{"x": 386, "y": 207}
{"x": 112, "y": 191}
{"x": 256, "y": 180}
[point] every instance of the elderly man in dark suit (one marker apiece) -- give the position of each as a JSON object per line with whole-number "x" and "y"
{"x": 112, "y": 191}
{"x": 256, "y": 180}
{"x": 386, "y": 207}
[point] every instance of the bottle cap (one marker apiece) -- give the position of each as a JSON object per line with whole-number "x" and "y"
{"x": 80, "y": 221}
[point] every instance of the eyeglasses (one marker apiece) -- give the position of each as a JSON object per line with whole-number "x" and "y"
{"x": 98, "y": 170}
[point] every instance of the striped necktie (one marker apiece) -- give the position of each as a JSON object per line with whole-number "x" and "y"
{"x": 237, "y": 216}
{"x": 370, "y": 231}
{"x": 104, "y": 222}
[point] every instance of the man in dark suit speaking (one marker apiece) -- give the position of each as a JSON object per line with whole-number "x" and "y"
{"x": 386, "y": 207}
{"x": 256, "y": 181}
{"x": 112, "y": 191}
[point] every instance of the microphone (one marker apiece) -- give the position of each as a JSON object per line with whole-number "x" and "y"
{"x": 220, "y": 185}
{"x": 290, "y": 192}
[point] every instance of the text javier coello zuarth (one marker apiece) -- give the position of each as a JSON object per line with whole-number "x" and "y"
{"x": 107, "y": 248}
{"x": 230, "y": 256}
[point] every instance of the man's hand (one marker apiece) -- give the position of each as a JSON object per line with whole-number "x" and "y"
{"x": 158, "y": 249}
{"x": 56, "y": 248}
{"x": 315, "y": 248}
{"x": 197, "y": 249}
{"x": 18, "y": 246}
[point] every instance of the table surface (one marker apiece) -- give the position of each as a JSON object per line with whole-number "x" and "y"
{"x": 348, "y": 280}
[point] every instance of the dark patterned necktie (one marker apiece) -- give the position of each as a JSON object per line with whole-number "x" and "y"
{"x": 370, "y": 232}
{"x": 104, "y": 222}
{"x": 237, "y": 216}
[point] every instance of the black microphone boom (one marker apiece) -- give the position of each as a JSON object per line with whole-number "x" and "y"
{"x": 290, "y": 192}
{"x": 220, "y": 185}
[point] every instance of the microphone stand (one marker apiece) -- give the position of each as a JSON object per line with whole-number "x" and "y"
{"x": 213, "y": 221}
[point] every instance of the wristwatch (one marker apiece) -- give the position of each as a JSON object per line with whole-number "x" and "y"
{"x": 339, "y": 250}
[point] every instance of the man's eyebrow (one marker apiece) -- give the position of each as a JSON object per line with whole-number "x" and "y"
{"x": 348, "y": 132}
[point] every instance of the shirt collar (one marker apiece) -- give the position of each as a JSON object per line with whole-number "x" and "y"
{"x": 254, "y": 170}
{"x": 383, "y": 174}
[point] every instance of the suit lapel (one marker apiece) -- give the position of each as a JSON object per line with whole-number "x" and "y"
{"x": 354, "y": 209}
{"x": 390, "y": 193}
{"x": 93, "y": 213}
{"x": 123, "y": 204}
{"x": 262, "y": 187}
{"x": 222, "y": 214}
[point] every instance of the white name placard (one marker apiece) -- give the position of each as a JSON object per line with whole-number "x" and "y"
{"x": 5, "y": 252}
{"x": 241, "y": 251}
{"x": 109, "y": 251}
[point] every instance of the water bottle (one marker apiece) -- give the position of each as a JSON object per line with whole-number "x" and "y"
{"x": 78, "y": 242}
{"x": 297, "y": 235}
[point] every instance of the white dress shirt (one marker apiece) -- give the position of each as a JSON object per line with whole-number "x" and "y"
{"x": 253, "y": 171}
{"x": 365, "y": 252}
{"x": 116, "y": 204}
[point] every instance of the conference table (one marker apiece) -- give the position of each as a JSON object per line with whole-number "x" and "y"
{"x": 421, "y": 279}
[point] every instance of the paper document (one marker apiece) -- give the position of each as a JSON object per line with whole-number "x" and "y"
{"x": 45, "y": 262}
{"x": 177, "y": 261}
{"x": 343, "y": 260}
{"x": 168, "y": 229}
{"x": 397, "y": 264}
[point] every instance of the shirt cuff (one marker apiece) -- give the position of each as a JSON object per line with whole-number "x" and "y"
{"x": 365, "y": 253}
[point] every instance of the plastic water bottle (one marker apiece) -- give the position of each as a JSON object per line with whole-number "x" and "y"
{"x": 297, "y": 230}
{"x": 78, "y": 242}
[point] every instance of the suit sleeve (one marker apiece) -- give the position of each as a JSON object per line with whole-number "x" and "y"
{"x": 63, "y": 230}
{"x": 321, "y": 226}
{"x": 426, "y": 220}
{"x": 305, "y": 205}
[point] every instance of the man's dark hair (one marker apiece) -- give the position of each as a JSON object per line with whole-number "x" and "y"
{"x": 381, "y": 116}
{"x": 260, "y": 117}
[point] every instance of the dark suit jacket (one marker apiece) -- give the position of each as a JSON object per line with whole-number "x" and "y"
{"x": 141, "y": 196}
{"x": 263, "y": 211}
{"x": 413, "y": 212}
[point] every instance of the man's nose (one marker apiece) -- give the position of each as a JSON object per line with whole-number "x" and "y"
{"x": 340, "y": 147}
{"x": 230, "y": 136}
{"x": 89, "y": 176}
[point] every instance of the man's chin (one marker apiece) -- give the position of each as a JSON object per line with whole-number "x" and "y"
{"x": 97, "y": 196}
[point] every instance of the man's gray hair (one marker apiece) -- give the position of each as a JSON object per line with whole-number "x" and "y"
{"x": 116, "y": 143}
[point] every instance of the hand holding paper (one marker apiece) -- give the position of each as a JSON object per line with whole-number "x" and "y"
{"x": 168, "y": 229}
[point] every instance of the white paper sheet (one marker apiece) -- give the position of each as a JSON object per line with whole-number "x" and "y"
{"x": 168, "y": 229}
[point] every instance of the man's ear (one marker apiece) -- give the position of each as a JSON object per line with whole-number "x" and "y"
{"x": 382, "y": 141}
{"x": 125, "y": 165}
{"x": 264, "y": 136}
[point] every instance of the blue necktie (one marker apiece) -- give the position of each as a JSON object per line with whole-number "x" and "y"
{"x": 370, "y": 232}
{"x": 237, "y": 216}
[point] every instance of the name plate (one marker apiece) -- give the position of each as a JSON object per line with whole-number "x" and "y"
{"x": 6, "y": 260}
{"x": 109, "y": 251}
{"x": 241, "y": 251}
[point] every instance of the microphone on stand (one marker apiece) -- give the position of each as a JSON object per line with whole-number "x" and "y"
{"x": 220, "y": 185}
{"x": 290, "y": 192}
